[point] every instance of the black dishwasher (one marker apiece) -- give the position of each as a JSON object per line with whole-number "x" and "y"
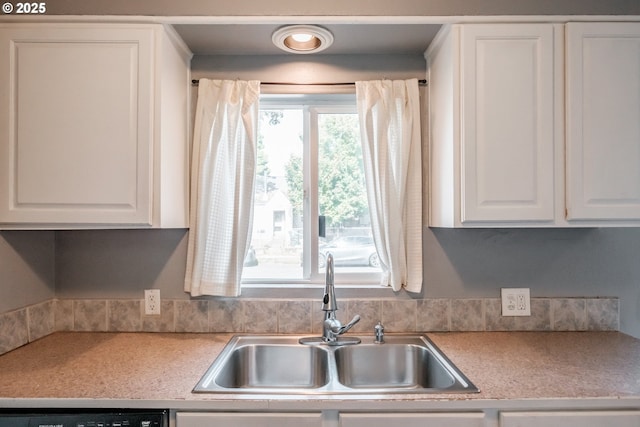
{"x": 84, "y": 418}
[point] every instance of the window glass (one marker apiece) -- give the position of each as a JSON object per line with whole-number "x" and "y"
{"x": 310, "y": 172}
{"x": 342, "y": 195}
{"x": 277, "y": 235}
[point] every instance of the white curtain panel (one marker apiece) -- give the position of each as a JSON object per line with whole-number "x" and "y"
{"x": 222, "y": 184}
{"x": 389, "y": 115}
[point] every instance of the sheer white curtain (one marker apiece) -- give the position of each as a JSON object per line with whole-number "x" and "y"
{"x": 222, "y": 183}
{"x": 389, "y": 114}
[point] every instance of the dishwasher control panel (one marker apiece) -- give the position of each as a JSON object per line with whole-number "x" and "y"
{"x": 85, "y": 418}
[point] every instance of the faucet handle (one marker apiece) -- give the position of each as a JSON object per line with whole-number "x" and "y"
{"x": 337, "y": 328}
{"x": 378, "y": 331}
{"x": 349, "y": 325}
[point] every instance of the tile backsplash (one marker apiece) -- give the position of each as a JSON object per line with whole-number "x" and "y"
{"x": 301, "y": 316}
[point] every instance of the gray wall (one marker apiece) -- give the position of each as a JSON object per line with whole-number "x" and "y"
{"x": 595, "y": 262}
{"x": 309, "y": 68}
{"x": 120, "y": 263}
{"x": 27, "y": 268}
{"x": 457, "y": 264}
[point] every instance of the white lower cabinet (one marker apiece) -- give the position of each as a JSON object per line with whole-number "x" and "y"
{"x": 571, "y": 419}
{"x": 532, "y": 418}
{"x": 474, "y": 419}
{"x": 416, "y": 419}
{"x": 259, "y": 419}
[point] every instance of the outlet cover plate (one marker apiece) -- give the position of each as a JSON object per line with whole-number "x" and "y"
{"x": 516, "y": 302}
{"x": 151, "y": 302}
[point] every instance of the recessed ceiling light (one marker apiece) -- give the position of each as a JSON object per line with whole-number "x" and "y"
{"x": 302, "y": 38}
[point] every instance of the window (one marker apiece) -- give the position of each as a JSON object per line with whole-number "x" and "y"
{"x": 310, "y": 196}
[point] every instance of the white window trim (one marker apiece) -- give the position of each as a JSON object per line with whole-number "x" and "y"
{"x": 312, "y": 105}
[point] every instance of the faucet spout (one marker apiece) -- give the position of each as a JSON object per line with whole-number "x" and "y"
{"x": 329, "y": 303}
{"x": 332, "y": 327}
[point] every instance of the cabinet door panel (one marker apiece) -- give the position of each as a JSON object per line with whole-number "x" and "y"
{"x": 507, "y": 147}
{"x": 77, "y": 142}
{"x": 212, "y": 419}
{"x": 603, "y": 121}
{"x": 412, "y": 420}
{"x": 571, "y": 419}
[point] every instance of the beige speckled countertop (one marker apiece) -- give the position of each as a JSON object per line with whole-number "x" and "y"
{"x": 160, "y": 370}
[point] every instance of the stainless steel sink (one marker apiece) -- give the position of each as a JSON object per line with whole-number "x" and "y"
{"x": 279, "y": 364}
{"x": 391, "y": 365}
{"x": 266, "y": 364}
{"x": 275, "y": 366}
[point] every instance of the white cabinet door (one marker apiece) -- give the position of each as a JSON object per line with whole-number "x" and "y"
{"x": 507, "y": 136}
{"x": 603, "y": 121}
{"x": 76, "y": 112}
{"x": 84, "y": 138}
{"x": 413, "y": 420}
{"x": 495, "y": 147}
{"x": 571, "y": 419}
{"x": 212, "y": 419}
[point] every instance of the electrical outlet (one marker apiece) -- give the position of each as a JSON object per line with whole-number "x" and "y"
{"x": 516, "y": 302}
{"x": 151, "y": 301}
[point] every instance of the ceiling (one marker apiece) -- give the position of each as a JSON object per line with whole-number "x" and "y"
{"x": 349, "y": 39}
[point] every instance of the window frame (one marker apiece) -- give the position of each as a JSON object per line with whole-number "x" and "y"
{"x": 312, "y": 106}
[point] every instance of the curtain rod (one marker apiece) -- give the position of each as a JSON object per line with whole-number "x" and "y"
{"x": 195, "y": 82}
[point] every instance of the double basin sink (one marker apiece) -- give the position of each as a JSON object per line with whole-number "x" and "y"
{"x": 280, "y": 364}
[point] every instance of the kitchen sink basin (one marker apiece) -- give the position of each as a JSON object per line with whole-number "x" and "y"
{"x": 391, "y": 366}
{"x": 274, "y": 366}
{"x": 280, "y": 364}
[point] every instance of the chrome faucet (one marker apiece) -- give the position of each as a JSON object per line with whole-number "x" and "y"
{"x": 332, "y": 327}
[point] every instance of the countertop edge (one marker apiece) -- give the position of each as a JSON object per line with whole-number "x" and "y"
{"x": 253, "y": 404}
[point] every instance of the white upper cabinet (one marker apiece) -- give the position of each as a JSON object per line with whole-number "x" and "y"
{"x": 494, "y": 149}
{"x": 498, "y": 114}
{"x": 93, "y": 126}
{"x": 603, "y": 121}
